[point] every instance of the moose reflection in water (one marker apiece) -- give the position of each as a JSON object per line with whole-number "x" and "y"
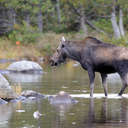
{"x": 98, "y": 113}
{"x": 95, "y": 56}
{"x": 106, "y": 114}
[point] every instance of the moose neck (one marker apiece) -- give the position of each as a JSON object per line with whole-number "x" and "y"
{"x": 74, "y": 53}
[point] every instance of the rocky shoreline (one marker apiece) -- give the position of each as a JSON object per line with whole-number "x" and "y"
{"x": 27, "y": 67}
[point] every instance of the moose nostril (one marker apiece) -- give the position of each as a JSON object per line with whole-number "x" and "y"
{"x": 55, "y": 63}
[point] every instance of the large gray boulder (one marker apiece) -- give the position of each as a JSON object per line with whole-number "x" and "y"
{"x": 6, "y": 91}
{"x": 24, "y": 65}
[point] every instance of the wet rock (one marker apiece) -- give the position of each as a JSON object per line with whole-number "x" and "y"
{"x": 3, "y": 101}
{"x": 62, "y": 103}
{"x": 37, "y": 115}
{"x": 24, "y": 66}
{"x": 31, "y": 94}
{"x": 6, "y": 91}
{"x": 28, "y": 96}
{"x": 20, "y": 98}
{"x": 62, "y": 98}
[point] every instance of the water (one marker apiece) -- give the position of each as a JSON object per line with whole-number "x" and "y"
{"x": 87, "y": 113}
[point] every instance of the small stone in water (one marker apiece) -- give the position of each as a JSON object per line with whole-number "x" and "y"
{"x": 20, "y": 110}
{"x": 64, "y": 87}
{"x": 73, "y": 123}
{"x": 31, "y": 98}
{"x": 37, "y": 115}
{"x": 84, "y": 91}
{"x": 71, "y": 114}
{"x": 75, "y": 81}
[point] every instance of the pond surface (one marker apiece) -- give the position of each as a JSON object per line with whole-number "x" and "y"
{"x": 87, "y": 113}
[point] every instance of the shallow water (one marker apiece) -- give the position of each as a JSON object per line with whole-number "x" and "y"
{"x": 87, "y": 113}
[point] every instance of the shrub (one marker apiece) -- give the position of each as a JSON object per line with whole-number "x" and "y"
{"x": 24, "y": 34}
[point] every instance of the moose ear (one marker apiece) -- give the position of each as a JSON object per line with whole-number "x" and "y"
{"x": 63, "y": 39}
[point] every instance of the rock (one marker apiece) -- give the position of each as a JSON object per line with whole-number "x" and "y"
{"x": 37, "y": 115}
{"x": 6, "y": 111}
{"x": 114, "y": 78}
{"x": 6, "y": 91}
{"x": 62, "y": 102}
{"x": 3, "y": 101}
{"x": 24, "y": 77}
{"x": 20, "y": 98}
{"x": 62, "y": 98}
{"x": 24, "y": 66}
{"x": 30, "y": 94}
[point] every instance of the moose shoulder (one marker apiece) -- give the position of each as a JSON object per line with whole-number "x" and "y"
{"x": 95, "y": 56}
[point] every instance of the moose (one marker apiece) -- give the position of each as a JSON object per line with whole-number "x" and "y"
{"x": 95, "y": 56}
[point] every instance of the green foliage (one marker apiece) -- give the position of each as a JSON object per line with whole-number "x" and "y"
{"x": 96, "y": 11}
{"x": 24, "y": 34}
{"x": 104, "y": 24}
{"x": 120, "y": 42}
{"x": 47, "y": 49}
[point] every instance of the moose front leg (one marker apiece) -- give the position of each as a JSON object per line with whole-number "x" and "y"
{"x": 104, "y": 83}
{"x": 91, "y": 74}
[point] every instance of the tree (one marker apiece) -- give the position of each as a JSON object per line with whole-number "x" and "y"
{"x": 66, "y": 15}
{"x": 113, "y": 9}
{"x": 114, "y": 23}
{"x": 58, "y": 11}
{"x": 118, "y": 29}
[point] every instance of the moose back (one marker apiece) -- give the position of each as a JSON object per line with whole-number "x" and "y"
{"x": 95, "y": 56}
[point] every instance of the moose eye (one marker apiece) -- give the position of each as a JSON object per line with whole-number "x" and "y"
{"x": 62, "y": 45}
{"x": 57, "y": 50}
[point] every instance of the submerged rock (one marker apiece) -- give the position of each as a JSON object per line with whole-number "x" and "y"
{"x": 62, "y": 98}
{"x": 6, "y": 91}
{"x": 3, "y": 101}
{"x": 29, "y": 94}
{"x": 20, "y": 98}
{"x": 62, "y": 103}
{"x": 24, "y": 66}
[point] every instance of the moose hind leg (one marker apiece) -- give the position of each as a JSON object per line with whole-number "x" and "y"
{"x": 104, "y": 83}
{"x": 125, "y": 84}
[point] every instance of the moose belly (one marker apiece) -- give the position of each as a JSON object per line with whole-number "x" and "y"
{"x": 104, "y": 68}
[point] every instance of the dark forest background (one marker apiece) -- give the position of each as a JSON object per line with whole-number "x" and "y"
{"x": 25, "y": 20}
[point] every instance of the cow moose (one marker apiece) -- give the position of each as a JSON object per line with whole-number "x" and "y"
{"x": 95, "y": 56}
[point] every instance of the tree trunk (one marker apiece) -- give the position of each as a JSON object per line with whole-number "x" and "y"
{"x": 12, "y": 16}
{"x": 40, "y": 20}
{"x": 121, "y": 23}
{"x": 58, "y": 11}
{"x": 27, "y": 19}
{"x": 7, "y": 21}
{"x": 115, "y": 25}
{"x": 83, "y": 26}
